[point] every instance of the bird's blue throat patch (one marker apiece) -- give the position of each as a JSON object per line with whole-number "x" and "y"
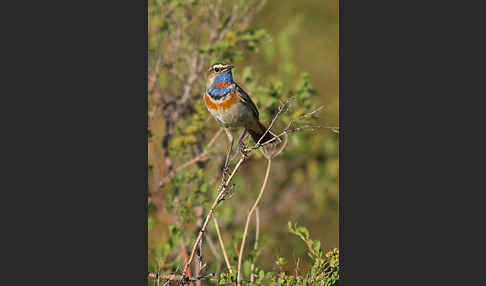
{"x": 222, "y": 85}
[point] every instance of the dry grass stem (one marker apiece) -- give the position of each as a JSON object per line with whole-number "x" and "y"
{"x": 213, "y": 249}
{"x": 255, "y": 246}
{"x": 221, "y": 243}
{"x": 240, "y": 258}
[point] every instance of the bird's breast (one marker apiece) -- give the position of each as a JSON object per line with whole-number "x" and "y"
{"x": 228, "y": 111}
{"x": 224, "y": 103}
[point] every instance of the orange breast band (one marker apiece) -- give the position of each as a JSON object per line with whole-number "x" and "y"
{"x": 225, "y": 104}
{"x": 223, "y": 85}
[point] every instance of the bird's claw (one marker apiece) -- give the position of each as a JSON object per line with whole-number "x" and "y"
{"x": 243, "y": 149}
{"x": 225, "y": 170}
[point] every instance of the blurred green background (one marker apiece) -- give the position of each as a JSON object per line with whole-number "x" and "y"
{"x": 303, "y": 187}
{"x": 305, "y": 39}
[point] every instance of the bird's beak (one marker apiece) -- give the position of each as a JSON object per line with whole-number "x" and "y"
{"x": 229, "y": 67}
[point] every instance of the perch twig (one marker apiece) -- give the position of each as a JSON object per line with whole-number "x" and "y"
{"x": 218, "y": 199}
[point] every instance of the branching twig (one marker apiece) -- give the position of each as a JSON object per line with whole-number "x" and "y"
{"x": 219, "y": 198}
{"x": 186, "y": 258}
{"x": 240, "y": 258}
{"x": 175, "y": 277}
{"x": 282, "y": 108}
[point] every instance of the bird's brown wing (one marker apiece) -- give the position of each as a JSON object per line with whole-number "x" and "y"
{"x": 245, "y": 98}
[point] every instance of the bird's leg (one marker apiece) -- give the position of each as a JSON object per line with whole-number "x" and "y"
{"x": 228, "y": 152}
{"x": 241, "y": 143}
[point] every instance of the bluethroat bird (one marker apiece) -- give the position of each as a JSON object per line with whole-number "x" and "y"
{"x": 232, "y": 107}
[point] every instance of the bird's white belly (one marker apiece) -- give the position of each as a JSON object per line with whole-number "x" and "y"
{"x": 236, "y": 116}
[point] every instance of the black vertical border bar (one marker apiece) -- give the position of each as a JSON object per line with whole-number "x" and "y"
{"x": 85, "y": 210}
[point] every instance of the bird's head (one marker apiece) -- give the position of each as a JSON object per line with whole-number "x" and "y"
{"x": 220, "y": 74}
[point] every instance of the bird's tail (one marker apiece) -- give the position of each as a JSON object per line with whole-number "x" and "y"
{"x": 258, "y": 130}
{"x": 272, "y": 149}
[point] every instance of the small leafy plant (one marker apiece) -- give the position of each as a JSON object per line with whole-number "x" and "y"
{"x": 323, "y": 272}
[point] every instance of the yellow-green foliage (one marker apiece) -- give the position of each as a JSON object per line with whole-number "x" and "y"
{"x": 324, "y": 271}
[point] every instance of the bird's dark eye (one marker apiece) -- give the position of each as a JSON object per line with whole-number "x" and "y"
{"x": 216, "y": 69}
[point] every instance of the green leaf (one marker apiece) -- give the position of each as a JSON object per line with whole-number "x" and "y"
{"x": 302, "y": 230}
{"x": 281, "y": 261}
{"x": 247, "y": 267}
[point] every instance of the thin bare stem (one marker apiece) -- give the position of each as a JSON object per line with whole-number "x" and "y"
{"x": 240, "y": 258}
{"x": 255, "y": 246}
{"x": 213, "y": 249}
{"x": 221, "y": 243}
{"x": 281, "y": 109}
{"x": 288, "y": 130}
{"x": 199, "y": 253}
{"x": 218, "y": 199}
{"x": 186, "y": 258}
